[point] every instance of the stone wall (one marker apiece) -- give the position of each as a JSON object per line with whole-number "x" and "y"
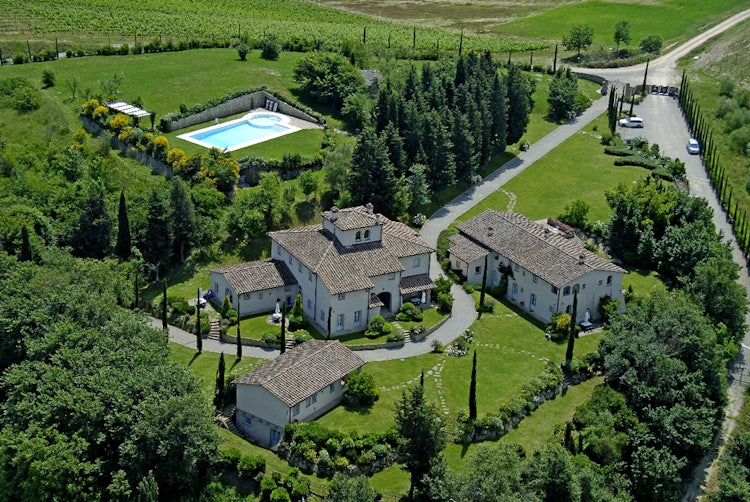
{"x": 238, "y": 105}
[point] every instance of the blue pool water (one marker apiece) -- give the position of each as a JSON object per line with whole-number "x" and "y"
{"x": 246, "y": 131}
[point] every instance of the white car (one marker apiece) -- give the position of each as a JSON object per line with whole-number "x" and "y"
{"x": 631, "y": 122}
{"x": 693, "y": 147}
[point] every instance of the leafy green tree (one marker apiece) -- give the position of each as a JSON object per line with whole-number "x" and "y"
{"x": 357, "y": 110}
{"x": 550, "y": 476}
{"x": 575, "y": 213}
{"x": 578, "y": 38}
{"x": 371, "y": 178}
{"x": 183, "y": 219}
{"x": 421, "y": 436}
{"x": 361, "y": 389}
{"x": 336, "y": 167}
{"x": 493, "y": 472}
{"x": 244, "y": 219}
{"x": 651, "y": 44}
{"x": 48, "y": 79}
{"x": 327, "y": 77}
{"x": 308, "y": 183}
{"x": 124, "y": 243}
{"x": 270, "y": 47}
{"x": 622, "y": 33}
{"x": 242, "y": 50}
{"x": 343, "y": 488}
{"x": 148, "y": 490}
{"x": 563, "y": 90}
{"x": 92, "y": 236}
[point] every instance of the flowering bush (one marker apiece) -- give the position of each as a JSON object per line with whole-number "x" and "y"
{"x": 419, "y": 219}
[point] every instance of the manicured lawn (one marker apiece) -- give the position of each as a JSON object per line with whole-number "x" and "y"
{"x": 577, "y": 169}
{"x": 534, "y": 430}
{"x": 643, "y": 281}
{"x": 205, "y": 364}
{"x": 392, "y": 483}
{"x": 510, "y": 348}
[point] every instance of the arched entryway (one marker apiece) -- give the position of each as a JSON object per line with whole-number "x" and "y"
{"x": 387, "y": 309}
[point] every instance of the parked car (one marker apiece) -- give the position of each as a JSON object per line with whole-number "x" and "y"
{"x": 631, "y": 122}
{"x": 693, "y": 147}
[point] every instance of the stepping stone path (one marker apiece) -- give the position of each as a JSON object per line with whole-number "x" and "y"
{"x": 512, "y": 199}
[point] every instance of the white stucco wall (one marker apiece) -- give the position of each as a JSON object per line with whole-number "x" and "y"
{"x": 256, "y": 302}
{"x": 423, "y": 266}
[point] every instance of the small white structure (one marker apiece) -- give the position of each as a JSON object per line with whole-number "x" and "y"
{"x": 548, "y": 263}
{"x": 299, "y": 385}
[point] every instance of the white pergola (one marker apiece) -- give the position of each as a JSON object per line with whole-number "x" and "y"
{"x": 128, "y": 109}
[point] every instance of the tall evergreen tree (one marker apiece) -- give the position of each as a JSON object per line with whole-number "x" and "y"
{"x": 419, "y": 188}
{"x": 183, "y": 219}
{"x": 463, "y": 143}
{"x": 484, "y": 285}
{"x": 92, "y": 236}
{"x": 411, "y": 131}
{"x": 573, "y": 327}
{"x": 330, "y": 312}
{"x": 239, "y": 336}
{"x": 219, "y": 392}
{"x": 421, "y": 436}
{"x": 441, "y": 162}
{"x": 124, "y": 241}
{"x": 519, "y": 91}
{"x": 473, "y": 389}
{"x": 372, "y": 178}
{"x": 157, "y": 241}
{"x": 198, "y": 334}
{"x": 164, "y": 324}
{"x": 26, "y": 254}
{"x": 394, "y": 143}
{"x": 499, "y": 113}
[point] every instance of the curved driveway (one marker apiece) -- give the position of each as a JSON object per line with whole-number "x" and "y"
{"x": 659, "y": 110}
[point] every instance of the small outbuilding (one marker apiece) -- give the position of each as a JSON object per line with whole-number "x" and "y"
{"x": 297, "y": 386}
{"x": 255, "y": 286}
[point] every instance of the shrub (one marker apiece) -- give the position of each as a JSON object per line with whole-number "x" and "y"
{"x": 230, "y": 457}
{"x": 267, "y": 486}
{"x": 48, "y": 78}
{"x": 232, "y": 317}
{"x": 26, "y": 99}
{"x": 488, "y": 306}
{"x": 301, "y": 336}
{"x": 445, "y": 302}
{"x": 367, "y": 458}
{"x": 607, "y": 308}
{"x": 280, "y": 495}
{"x": 270, "y": 47}
{"x": 250, "y": 466}
{"x": 377, "y": 327}
{"x": 361, "y": 389}
{"x": 300, "y": 490}
{"x": 270, "y": 338}
{"x": 396, "y": 336}
{"x": 341, "y": 463}
{"x": 443, "y": 285}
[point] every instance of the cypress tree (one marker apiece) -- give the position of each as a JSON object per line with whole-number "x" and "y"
{"x": 219, "y": 392}
{"x": 421, "y": 379}
{"x": 554, "y": 63}
{"x": 330, "y": 311}
{"x": 239, "y": 337}
{"x": 283, "y": 327}
{"x": 123, "y": 245}
{"x": 25, "y": 244}
{"x": 473, "y": 389}
{"x": 164, "y": 325}
{"x": 572, "y": 333}
{"x": 645, "y": 74}
{"x": 198, "y": 335}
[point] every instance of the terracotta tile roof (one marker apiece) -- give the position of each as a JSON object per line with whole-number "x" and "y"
{"x": 354, "y": 217}
{"x": 465, "y": 249}
{"x": 345, "y": 269}
{"x": 257, "y": 275}
{"x": 304, "y": 370}
{"x": 554, "y": 258}
{"x": 415, "y": 283}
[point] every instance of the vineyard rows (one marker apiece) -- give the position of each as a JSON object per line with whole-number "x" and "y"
{"x": 225, "y": 19}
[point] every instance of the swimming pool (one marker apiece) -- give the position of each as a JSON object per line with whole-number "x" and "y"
{"x": 251, "y": 129}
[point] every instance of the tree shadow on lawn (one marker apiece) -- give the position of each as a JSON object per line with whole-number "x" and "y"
{"x": 195, "y": 356}
{"x": 359, "y": 410}
{"x": 250, "y": 250}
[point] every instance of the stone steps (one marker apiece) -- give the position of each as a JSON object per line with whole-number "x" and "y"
{"x": 406, "y": 333}
{"x": 215, "y": 332}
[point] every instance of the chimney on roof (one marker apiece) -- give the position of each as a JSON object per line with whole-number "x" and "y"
{"x": 334, "y": 213}
{"x": 377, "y": 219}
{"x": 369, "y": 208}
{"x": 490, "y": 231}
{"x": 581, "y": 259}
